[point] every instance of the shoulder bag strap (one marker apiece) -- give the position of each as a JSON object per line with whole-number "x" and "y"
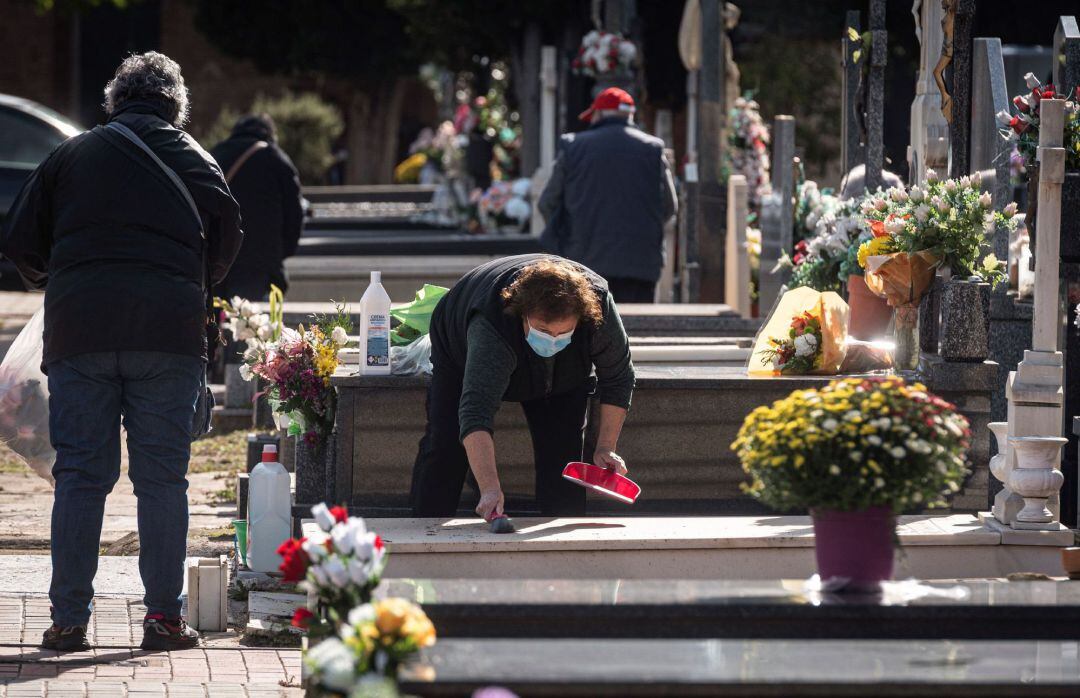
{"x": 252, "y": 149}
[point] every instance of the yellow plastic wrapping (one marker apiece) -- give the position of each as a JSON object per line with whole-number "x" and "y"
{"x": 833, "y": 312}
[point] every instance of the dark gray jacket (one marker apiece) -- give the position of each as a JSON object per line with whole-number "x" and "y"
{"x": 607, "y": 201}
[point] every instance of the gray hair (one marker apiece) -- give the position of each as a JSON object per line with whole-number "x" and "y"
{"x": 151, "y": 77}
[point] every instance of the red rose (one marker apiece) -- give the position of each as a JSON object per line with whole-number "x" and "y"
{"x": 798, "y": 324}
{"x": 294, "y": 561}
{"x": 878, "y": 229}
{"x": 302, "y": 618}
{"x": 1020, "y": 103}
{"x": 1019, "y": 125}
{"x": 340, "y": 514}
{"x": 798, "y": 258}
{"x": 378, "y": 542}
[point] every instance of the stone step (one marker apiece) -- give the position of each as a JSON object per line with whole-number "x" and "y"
{"x": 767, "y": 609}
{"x": 710, "y": 547}
{"x": 742, "y": 667}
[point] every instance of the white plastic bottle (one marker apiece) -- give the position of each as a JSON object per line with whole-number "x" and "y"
{"x": 375, "y": 329}
{"x": 269, "y": 512}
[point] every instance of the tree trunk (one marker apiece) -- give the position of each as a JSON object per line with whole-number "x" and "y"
{"x": 525, "y": 61}
{"x": 373, "y": 119}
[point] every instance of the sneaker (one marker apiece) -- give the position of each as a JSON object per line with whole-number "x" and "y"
{"x": 69, "y": 639}
{"x": 161, "y": 633}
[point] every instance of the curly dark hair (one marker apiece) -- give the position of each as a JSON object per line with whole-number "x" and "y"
{"x": 553, "y": 289}
{"x": 151, "y": 77}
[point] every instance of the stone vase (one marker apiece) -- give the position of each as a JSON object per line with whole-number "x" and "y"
{"x": 315, "y": 464}
{"x": 870, "y": 314}
{"x": 965, "y": 321}
{"x": 906, "y": 337}
{"x": 1035, "y": 478}
{"x": 1000, "y": 430}
{"x": 854, "y": 549}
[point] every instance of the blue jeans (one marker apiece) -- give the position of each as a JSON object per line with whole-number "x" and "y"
{"x": 155, "y": 394}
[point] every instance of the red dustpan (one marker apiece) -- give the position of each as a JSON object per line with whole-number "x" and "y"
{"x": 606, "y": 482}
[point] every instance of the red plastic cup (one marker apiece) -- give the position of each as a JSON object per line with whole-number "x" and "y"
{"x": 607, "y": 482}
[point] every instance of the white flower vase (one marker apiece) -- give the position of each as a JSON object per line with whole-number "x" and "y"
{"x": 1035, "y": 478}
{"x": 1000, "y": 431}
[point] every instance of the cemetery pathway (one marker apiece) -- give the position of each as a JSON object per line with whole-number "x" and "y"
{"x": 117, "y": 668}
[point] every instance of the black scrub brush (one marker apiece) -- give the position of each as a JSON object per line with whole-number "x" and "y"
{"x": 501, "y": 523}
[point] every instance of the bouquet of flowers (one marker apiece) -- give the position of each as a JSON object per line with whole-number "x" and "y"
{"x": 439, "y": 151}
{"x": 854, "y": 444}
{"x": 604, "y": 52}
{"x": 820, "y": 257}
{"x": 506, "y": 205}
{"x": 1022, "y": 128}
{"x": 297, "y": 368}
{"x": 245, "y": 322}
{"x": 800, "y": 351}
{"x": 341, "y": 566}
{"x": 375, "y": 640}
{"x": 24, "y": 400}
{"x": 748, "y": 149}
{"x": 915, "y": 230}
{"x": 806, "y": 333}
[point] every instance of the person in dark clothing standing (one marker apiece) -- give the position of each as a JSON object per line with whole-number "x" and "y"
{"x": 124, "y": 263}
{"x": 528, "y": 329}
{"x": 266, "y": 185}
{"x": 609, "y": 196}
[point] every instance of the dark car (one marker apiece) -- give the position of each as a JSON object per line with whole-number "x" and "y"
{"x": 28, "y": 133}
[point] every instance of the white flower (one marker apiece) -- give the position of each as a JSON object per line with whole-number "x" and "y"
{"x": 348, "y": 534}
{"x": 321, "y": 578}
{"x": 264, "y": 333}
{"x": 855, "y": 456}
{"x": 897, "y": 452}
{"x": 627, "y": 52}
{"x": 917, "y": 497}
{"x": 1031, "y": 81}
{"x": 873, "y": 440}
{"x": 339, "y": 336}
{"x": 246, "y": 309}
{"x": 360, "y": 572}
{"x": 323, "y": 517}
{"x": 252, "y": 343}
{"x": 518, "y": 209}
{"x": 1010, "y": 210}
{"x": 941, "y": 204}
{"x": 880, "y": 204}
{"x": 834, "y": 470}
{"x": 922, "y": 213}
{"x": 878, "y": 483}
{"x": 805, "y": 344}
{"x": 521, "y": 187}
{"x": 830, "y": 424}
{"x": 315, "y": 547}
{"x": 245, "y": 371}
{"x": 244, "y": 333}
{"x": 931, "y": 175}
{"x": 965, "y": 182}
{"x": 336, "y": 571}
{"x": 894, "y": 226}
{"x": 917, "y": 194}
{"x": 976, "y": 179}
{"x": 984, "y": 200}
{"x": 364, "y": 613}
{"x": 334, "y": 663}
{"x": 950, "y": 186}
{"x": 898, "y": 195}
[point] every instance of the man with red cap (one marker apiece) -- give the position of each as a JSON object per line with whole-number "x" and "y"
{"x": 609, "y": 196}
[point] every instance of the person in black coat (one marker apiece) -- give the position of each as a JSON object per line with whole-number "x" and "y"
{"x": 267, "y": 187}
{"x": 124, "y": 260}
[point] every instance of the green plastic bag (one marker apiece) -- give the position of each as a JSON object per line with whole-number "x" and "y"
{"x": 415, "y": 317}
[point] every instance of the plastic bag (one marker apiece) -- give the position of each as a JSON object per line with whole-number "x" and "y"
{"x": 412, "y": 359}
{"x": 415, "y": 317}
{"x": 24, "y": 400}
{"x": 828, "y": 308}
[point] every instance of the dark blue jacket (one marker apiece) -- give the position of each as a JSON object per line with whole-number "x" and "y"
{"x": 608, "y": 199}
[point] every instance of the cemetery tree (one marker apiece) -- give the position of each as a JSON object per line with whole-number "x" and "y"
{"x": 362, "y": 50}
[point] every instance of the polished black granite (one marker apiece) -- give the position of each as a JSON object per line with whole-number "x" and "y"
{"x": 740, "y": 667}
{"x": 743, "y": 609}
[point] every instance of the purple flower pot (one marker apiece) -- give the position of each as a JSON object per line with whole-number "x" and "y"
{"x": 854, "y": 549}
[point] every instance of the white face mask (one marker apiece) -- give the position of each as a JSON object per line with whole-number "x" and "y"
{"x": 547, "y": 345}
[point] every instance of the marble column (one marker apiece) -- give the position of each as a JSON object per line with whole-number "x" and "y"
{"x": 736, "y": 260}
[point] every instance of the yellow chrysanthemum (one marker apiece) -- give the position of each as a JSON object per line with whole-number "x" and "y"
{"x": 873, "y": 247}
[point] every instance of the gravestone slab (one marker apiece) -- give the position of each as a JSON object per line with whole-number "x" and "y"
{"x": 853, "y": 151}
{"x": 875, "y": 96}
{"x": 960, "y": 88}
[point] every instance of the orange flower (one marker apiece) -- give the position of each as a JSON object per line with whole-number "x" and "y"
{"x": 878, "y": 228}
